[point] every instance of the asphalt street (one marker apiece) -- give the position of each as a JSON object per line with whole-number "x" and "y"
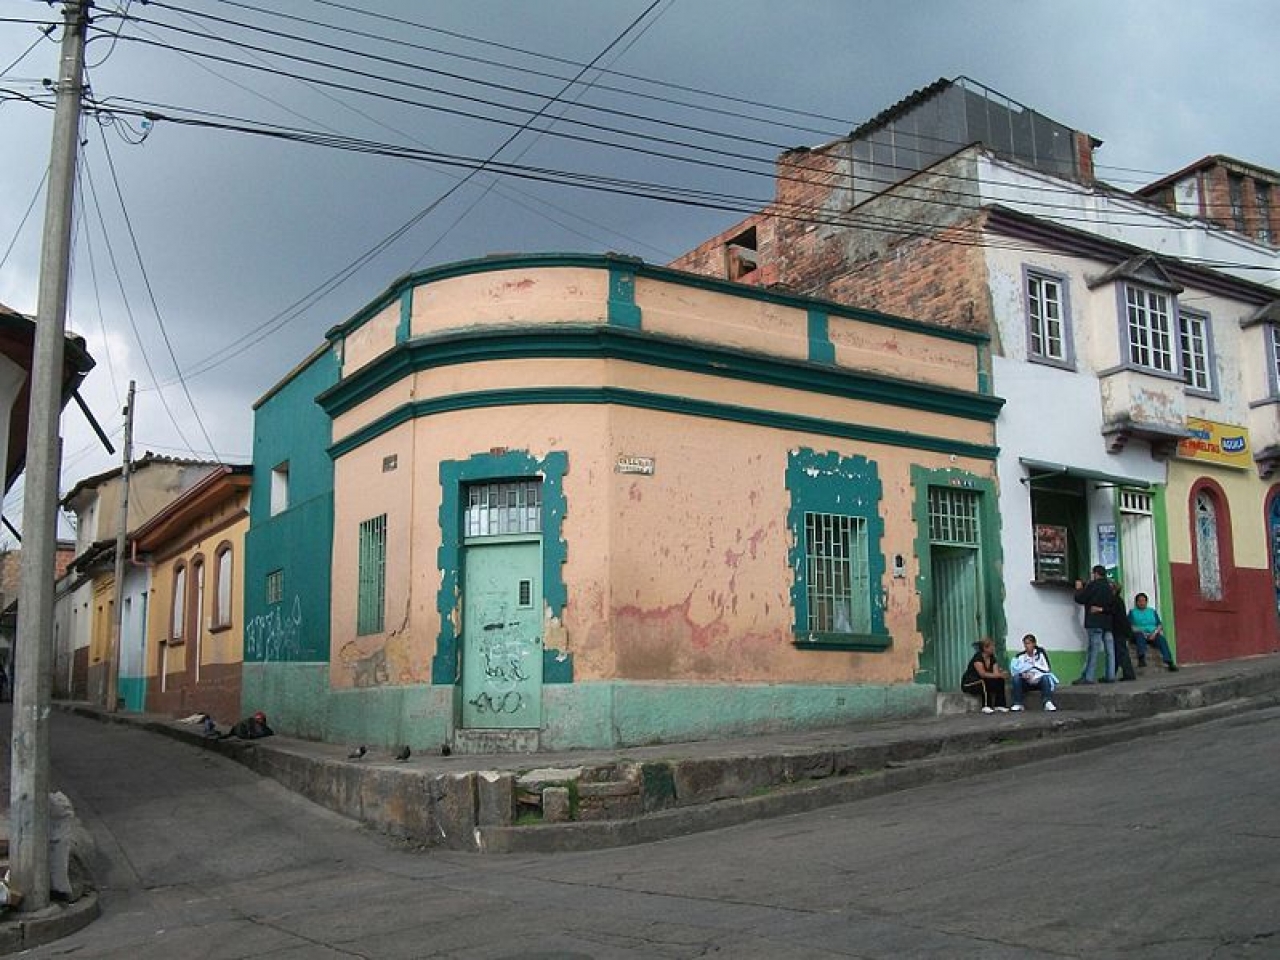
{"x": 1161, "y": 848}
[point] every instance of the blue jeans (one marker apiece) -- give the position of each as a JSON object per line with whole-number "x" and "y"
{"x": 1161, "y": 644}
{"x": 1100, "y": 642}
{"x": 1020, "y": 687}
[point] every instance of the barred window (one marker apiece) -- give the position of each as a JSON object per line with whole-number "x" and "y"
{"x": 953, "y": 517}
{"x": 372, "y": 584}
{"x": 503, "y": 509}
{"x": 838, "y": 580}
{"x": 275, "y": 586}
{"x": 1208, "y": 559}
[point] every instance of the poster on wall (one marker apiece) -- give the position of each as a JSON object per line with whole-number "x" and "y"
{"x": 1051, "y": 554}
{"x": 1108, "y": 547}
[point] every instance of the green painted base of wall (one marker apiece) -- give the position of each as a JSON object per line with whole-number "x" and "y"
{"x": 620, "y": 714}
{"x": 298, "y": 702}
{"x": 133, "y": 691}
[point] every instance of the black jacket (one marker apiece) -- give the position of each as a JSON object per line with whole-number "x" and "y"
{"x": 1096, "y": 596}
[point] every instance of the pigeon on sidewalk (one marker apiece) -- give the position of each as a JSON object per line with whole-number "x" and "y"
{"x": 404, "y": 753}
{"x": 358, "y": 753}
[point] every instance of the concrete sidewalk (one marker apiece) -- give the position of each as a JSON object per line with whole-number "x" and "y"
{"x": 589, "y": 799}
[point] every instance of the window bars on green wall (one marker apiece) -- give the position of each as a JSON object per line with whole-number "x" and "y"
{"x": 371, "y": 602}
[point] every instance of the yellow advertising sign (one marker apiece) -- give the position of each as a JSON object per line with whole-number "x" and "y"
{"x": 1225, "y": 443}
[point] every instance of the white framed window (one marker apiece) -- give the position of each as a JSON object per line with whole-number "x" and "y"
{"x": 1273, "y": 358}
{"x": 1150, "y": 329}
{"x": 1046, "y": 317}
{"x": 222, "y": 586}
{"x": 280, "y": 488}
{"x": 178, "y": 618}
{"x": 1193, "y": 337}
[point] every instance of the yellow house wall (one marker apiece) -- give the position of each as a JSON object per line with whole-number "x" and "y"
{"x": 222, "y": 646}
{"x": 1246, "y": 497}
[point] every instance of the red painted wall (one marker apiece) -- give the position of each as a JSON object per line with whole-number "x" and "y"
{"x": 1241, "y": 625}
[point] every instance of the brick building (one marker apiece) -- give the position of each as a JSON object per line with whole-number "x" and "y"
{"x": 1141, "y": 426}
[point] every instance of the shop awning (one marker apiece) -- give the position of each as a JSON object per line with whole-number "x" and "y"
{"x": 1041, "y": 469}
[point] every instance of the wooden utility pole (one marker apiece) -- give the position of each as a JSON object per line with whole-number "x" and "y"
{"x": 29, "y": 778}
{"x": 110, "y": 698}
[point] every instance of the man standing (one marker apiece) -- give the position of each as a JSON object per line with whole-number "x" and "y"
{"x": 1096, "y": 597}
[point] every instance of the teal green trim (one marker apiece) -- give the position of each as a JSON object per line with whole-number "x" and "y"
{"x": 594, "y": 342}
{"x": 821, "y": 349}
{"x": 847, "y": 486}
{"x": 536, "y": 396}
{"x": 133, "y": 692}
{"x": 984, "y": 368}
{"x": 623, "y": 311}
{"x": 871, "y": 643}
{"x": 454, "y": 474}
{"x": 403, "y": 330}
{"x": 991, "y": 565}
{"x": 641, "y": 269}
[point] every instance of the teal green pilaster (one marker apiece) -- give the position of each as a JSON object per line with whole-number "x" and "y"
{"x": 623, "y": 310}
{"x": 821, "y": 349}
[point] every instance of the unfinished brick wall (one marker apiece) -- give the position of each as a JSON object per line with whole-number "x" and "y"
{"x": 911, "y": 251}
{"x": 1217, "y": 208}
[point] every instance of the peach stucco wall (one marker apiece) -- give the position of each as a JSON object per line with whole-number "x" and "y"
{"x": 682, "y": 575}
{"x": 679, "y": 576}
{"x": 371, "y": 339}
{"x": 535, "y": 295}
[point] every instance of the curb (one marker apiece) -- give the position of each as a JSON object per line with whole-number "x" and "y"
{"x": 53, "y": 923}
{"x": 1079, "y": 737}
{"x": 476, "y": 809}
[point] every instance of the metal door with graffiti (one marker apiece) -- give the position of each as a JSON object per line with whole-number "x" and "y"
{"x": 502, "y": 636}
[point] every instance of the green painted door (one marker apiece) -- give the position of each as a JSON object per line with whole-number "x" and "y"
{"x": 502, "y": 636}
{"x": 957, "y": 613}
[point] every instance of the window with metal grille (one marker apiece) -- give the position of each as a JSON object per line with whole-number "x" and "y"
{"x": 1207, "y": 556}
{"x": 372, "y": 576}
{"x": 1150, "y": 329}
{"x": 1045, "y": 317}
{"x": 503, "y": 509}
{"x": 1135, "y": 501}
{"x": 1193, "y": 332}
{"x": 275, "y": 586}
{"x": 837, "y": 577}
{"x": 953, "y": 517}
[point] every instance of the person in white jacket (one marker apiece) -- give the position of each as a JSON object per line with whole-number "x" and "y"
{"x": 1031, "y": 671}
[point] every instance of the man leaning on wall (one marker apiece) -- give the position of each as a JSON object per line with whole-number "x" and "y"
{"x": 1095, "y": 596}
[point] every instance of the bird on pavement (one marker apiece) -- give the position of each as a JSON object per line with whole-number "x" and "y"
{"x": 404, "y": 753}
{"x": 358, "y": 753}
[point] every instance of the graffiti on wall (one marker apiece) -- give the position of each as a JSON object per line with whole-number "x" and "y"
{"x": 275, "y": 635}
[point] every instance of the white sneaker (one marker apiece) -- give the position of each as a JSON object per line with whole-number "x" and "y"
{"x": 1002, "y": 709}
{"x": 1048, "y": 705}
{"x": 987, "y": 710}
{"x": 1017, "y": 708}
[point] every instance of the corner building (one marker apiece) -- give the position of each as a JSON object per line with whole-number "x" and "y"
{"x": 581, "y": 501}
